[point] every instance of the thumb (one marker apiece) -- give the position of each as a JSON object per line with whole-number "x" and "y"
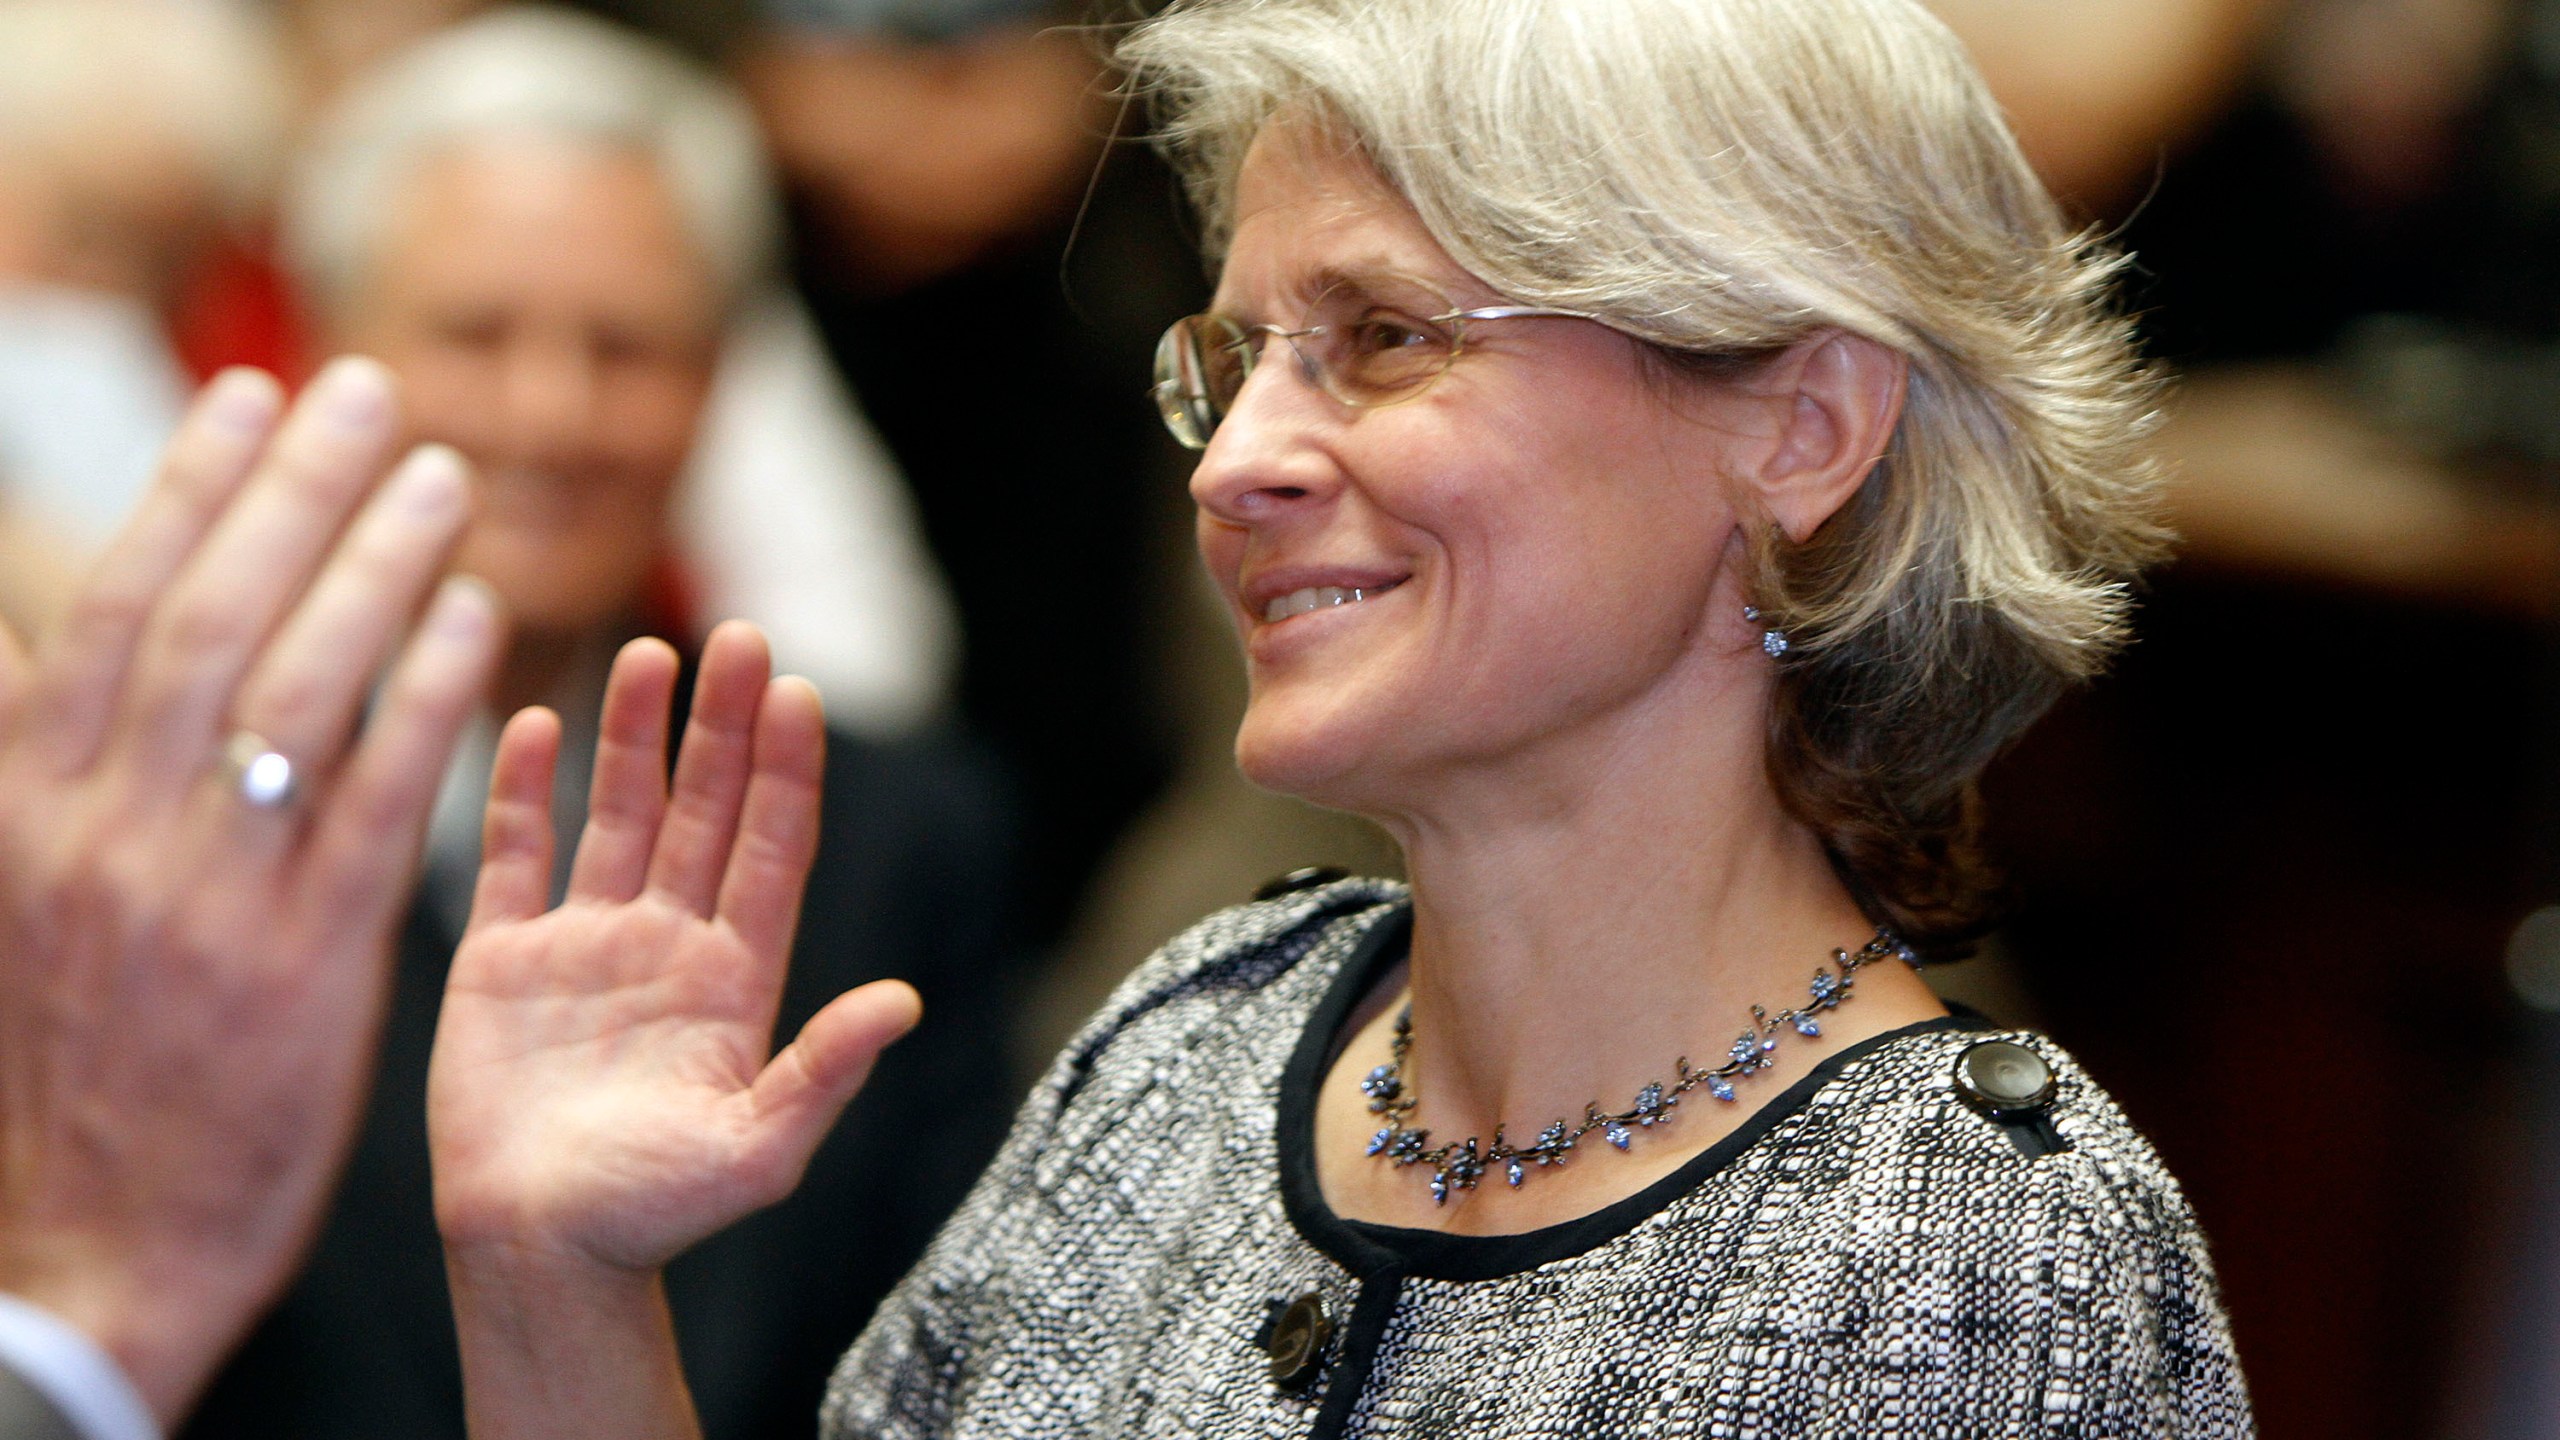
{"x": 802, "y": 1090}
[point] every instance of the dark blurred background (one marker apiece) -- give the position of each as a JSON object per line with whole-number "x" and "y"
{"x": 2280, "y": 877}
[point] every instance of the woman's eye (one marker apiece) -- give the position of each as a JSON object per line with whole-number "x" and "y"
{"x": 1379, "y": 332}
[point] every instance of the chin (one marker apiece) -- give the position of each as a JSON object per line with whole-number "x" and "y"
{"x": 1320, "y": 760}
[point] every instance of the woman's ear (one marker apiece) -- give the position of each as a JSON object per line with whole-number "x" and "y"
{"x": 1835, "y": 398}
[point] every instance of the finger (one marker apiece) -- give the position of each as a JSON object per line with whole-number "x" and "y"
{"x": 304, "y": 691}
{"x": 628, "y": 795}
{"x": 78, "y": 670}
{"x": 255, "y": 561}
{"x": 711, "y": 769}
{"x": 797, "y": 1098}
{"x": 515, "y": 832}
{"x": 365, "y": 839}
{"x": 778, "y": 827}
{"x": 13, "y": 675}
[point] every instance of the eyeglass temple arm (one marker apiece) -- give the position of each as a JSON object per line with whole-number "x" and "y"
{"x": 1515, "y": 312}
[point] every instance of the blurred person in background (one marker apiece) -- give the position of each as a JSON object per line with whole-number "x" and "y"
{"x": 133, "y": 134}
{"x": 928, "y": 135}
{"x": 544, "y": 226}
{"x": 938, "y": 155}
{"x": 945, "y": 159}
{"x": 792, "y": 514}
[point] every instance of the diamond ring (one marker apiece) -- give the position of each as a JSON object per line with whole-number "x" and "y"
{"x": 261, "y": 773}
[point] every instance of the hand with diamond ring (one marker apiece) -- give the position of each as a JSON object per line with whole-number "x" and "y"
{"x": 211, "y": 800}
{"x": 601, "y": 1095}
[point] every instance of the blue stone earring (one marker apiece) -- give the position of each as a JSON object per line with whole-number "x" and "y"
{"x": 1773, "y": 641}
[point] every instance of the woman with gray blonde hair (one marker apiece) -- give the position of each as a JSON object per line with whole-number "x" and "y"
{"x": 1655, "y": 452}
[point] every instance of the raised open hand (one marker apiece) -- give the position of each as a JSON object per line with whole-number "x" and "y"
{"x": 193, "y": 955}
{"x": 601, "y": 1095}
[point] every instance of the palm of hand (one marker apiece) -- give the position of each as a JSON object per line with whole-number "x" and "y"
{"x": 600, "y": 1092}
{"x": 637, "y": 1018}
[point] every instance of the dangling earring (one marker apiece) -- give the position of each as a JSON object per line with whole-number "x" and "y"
{"x": 1773, "y": 641}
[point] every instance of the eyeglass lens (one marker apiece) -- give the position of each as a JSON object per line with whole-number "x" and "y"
{"x": 1366, "y": 343}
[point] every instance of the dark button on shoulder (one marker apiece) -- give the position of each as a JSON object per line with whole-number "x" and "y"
{"x": 1297, "y": 880}
{"x": 2004, "y": 1079}
{"x": 1297, "y": 1342}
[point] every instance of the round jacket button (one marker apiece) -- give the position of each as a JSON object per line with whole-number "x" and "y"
{"x": 1297, "y": 880}
{"x": 2003, "y": 1078}
{"x": 1297, "y": 1342}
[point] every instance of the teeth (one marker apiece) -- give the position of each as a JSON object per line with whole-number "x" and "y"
{"x": 1318, "y": 597}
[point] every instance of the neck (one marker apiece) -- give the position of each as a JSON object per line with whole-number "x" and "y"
{"x": 1568, "y": 948}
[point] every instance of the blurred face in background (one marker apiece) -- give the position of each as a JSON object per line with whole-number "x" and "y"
{"x": 550, "y": 317}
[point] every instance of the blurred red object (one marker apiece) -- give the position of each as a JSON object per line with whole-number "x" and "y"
{"x": 239, "y": 309}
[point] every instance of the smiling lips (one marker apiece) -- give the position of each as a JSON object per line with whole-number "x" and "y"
{"x": 1320, "y": 597}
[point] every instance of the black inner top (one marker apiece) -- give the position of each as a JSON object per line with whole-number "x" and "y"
{"x": 1368, "y": 1249}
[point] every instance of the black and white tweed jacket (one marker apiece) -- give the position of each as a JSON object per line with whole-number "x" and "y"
{"x": 1866, "y": 1256}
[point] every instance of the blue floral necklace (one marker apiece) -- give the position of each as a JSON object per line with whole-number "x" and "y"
{"x": 1460, "y": 1164}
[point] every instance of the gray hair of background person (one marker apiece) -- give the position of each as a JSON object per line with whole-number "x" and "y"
{"x": 532, "y": 72}
{"x": 1718, "y": 179}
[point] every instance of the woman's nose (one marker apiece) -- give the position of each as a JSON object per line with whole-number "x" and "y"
{"x": 1269, "y": 453}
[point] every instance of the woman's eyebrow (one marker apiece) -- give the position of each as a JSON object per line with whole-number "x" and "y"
{"x": 1372, "y": 278}
{"x": 1363, "y": 278}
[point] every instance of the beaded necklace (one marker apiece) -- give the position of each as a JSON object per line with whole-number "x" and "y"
{"x": 1460, "y": 1164}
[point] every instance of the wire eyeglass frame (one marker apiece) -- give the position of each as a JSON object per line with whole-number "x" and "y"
{"x": 1203, "y": 361}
